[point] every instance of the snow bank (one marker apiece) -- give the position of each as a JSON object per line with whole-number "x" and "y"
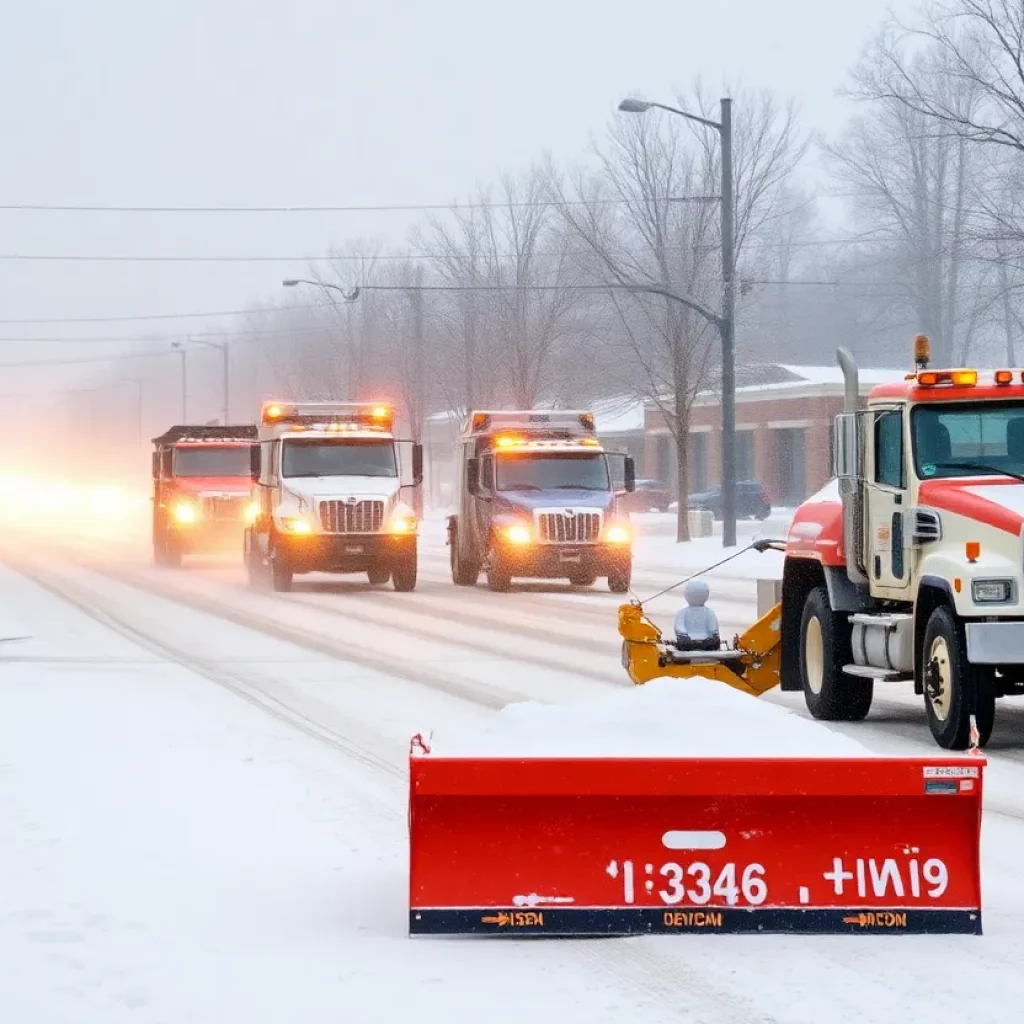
{"x": 695, "y": 717}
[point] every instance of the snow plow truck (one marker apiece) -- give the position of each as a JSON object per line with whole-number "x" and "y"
{"x": 538, "y": 498}
{"x": 907, "y": 567}
{"x": 202, "y": 490}
{"x": 331, "y": 485}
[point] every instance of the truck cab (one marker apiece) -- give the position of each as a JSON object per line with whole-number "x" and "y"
{"x": 202, "y": 490}
{"x": 331, "y": 487}
{"x": 537, "y": 499}
{"x": 908, "y": 566}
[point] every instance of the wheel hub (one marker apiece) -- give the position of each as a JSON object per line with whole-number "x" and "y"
{"x": 937, "y": 679}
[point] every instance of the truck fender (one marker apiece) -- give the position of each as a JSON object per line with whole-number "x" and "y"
{"x": 932, "y": 592}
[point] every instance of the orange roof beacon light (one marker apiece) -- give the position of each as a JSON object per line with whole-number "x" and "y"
{"x": 958, "y": 378}
{"x": 922, "y": 351}
{"x": 1004, "y": 376}
{"x": 507, "y": 441}
{"x": 381, "y": 412}
{"x": 272, "y": 411}
{"x": 972, "y": 549}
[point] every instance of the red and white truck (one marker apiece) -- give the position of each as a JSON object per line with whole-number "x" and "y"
{"x": 202, "y": 490}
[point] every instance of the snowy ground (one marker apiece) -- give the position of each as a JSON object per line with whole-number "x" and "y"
{"x": 203, "y": 806}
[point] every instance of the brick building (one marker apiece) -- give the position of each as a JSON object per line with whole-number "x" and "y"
{"x": 784, "y": 417}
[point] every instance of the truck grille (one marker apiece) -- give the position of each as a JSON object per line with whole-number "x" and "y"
{"x": 567, "y": 527}
{"x": 351, "y": 516}
{"x": 218, "y": 506}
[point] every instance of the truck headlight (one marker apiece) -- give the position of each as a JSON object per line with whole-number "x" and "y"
{"x": 185, "y": 512}
{"x": 518, "y": 534}
{"x": 295, "y": 525}
{"x": 252, "y": 511}
{"x": 617, "y": 534}
{"x": 403, "y": 524}
{"x": 992, "y": 591}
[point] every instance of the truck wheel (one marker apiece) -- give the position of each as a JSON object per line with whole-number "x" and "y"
{"x": 583, "y": 579}
{"x": 829, "y": 693}
{"x": 281, "y": 575}
{"x": 498, "y": 579}
{"x": 377, "y": 576}
{"x": 949, "y": 679}
{"x": 619, "y": 580}
{"x": 403, "y": 575}
{"x": 166, "y": 553}
{"x": 465, "y": 572}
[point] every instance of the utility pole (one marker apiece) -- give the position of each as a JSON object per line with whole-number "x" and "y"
{"x": 728, "y": 332}
{"x": 417, "y": 404}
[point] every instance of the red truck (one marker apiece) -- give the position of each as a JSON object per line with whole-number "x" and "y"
{"x": 202, "y": 490}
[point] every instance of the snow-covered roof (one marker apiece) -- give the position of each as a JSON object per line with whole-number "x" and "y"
{"x": 834, "y": 374}
{"x": 618, "y": 415}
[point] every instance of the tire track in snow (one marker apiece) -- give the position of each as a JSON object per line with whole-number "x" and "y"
{"x": 472, "y": 691}
{"x": 87, "y": 601}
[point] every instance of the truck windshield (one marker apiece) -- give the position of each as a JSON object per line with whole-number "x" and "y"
{"x": 212, "y": 460}
{"x": 967, "y": 438}
{"x": 349, "y": 457}
{"x": 549, "y": 471}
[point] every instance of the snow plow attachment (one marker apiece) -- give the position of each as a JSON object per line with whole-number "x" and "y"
{"x": 624, "y": 846}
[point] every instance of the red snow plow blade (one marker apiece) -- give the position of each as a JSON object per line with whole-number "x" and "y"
{"x": 607, "y": 846}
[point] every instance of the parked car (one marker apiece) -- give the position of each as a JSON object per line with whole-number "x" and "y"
{"x": 751, "y": 500}
{"x": 649, "y": 494}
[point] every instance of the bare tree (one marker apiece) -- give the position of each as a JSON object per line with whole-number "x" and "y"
{"x": 518, "y": 306}
{"x": 645, "y": 218}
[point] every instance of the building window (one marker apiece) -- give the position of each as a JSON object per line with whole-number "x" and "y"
{"x": 745, "y": 455}
{"x": 791, "y": 464}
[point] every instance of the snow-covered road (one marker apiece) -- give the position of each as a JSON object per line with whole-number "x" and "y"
{"x": 203, "y": 807}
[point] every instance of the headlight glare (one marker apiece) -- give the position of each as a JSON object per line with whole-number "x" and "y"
{"x": 185, "y": 512}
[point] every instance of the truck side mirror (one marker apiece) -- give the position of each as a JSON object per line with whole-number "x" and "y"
{"x": 254, "y": 462}
{"x": 156, "y": 465}
{"x": 417, "y": 463}
{"x": 473, "y": 477}
{"x": 847, "y": 449}
{"x": 630, "y": 475}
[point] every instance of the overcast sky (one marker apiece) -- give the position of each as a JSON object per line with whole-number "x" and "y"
{"x": 327, "y": 102}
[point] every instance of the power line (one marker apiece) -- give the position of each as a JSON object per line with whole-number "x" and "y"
{"x": 153, "y": 316}
{"x": 383, "y": 208}
{"x": 407, "y": 257}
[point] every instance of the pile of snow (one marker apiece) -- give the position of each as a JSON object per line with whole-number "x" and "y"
{"x": 695, "y": 717}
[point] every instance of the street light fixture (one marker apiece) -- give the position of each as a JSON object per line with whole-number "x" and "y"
{"x": 726, "y": 322}
{"x": 347, "y": 295}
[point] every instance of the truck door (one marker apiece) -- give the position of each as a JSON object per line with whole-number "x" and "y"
{"x": 888, "y": 562}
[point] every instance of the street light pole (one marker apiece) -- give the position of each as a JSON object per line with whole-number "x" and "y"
{"x": 726, "y": 322}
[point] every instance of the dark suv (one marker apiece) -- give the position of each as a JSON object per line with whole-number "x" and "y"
{"x": 751, "y": 500}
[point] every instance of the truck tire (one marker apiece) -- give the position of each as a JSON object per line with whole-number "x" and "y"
{"x": 498, "y": 579}
{"x": 166, "y": 553}
{"x": 465, "y": 572}
{"x": 618, "y": 581}
{"x": 830, "y": 695}
{"x": 281, "y": 574}
{"x": 403, "y": 573}
{"x": 378, "y": 576}
{"x": 949, "y": 680}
